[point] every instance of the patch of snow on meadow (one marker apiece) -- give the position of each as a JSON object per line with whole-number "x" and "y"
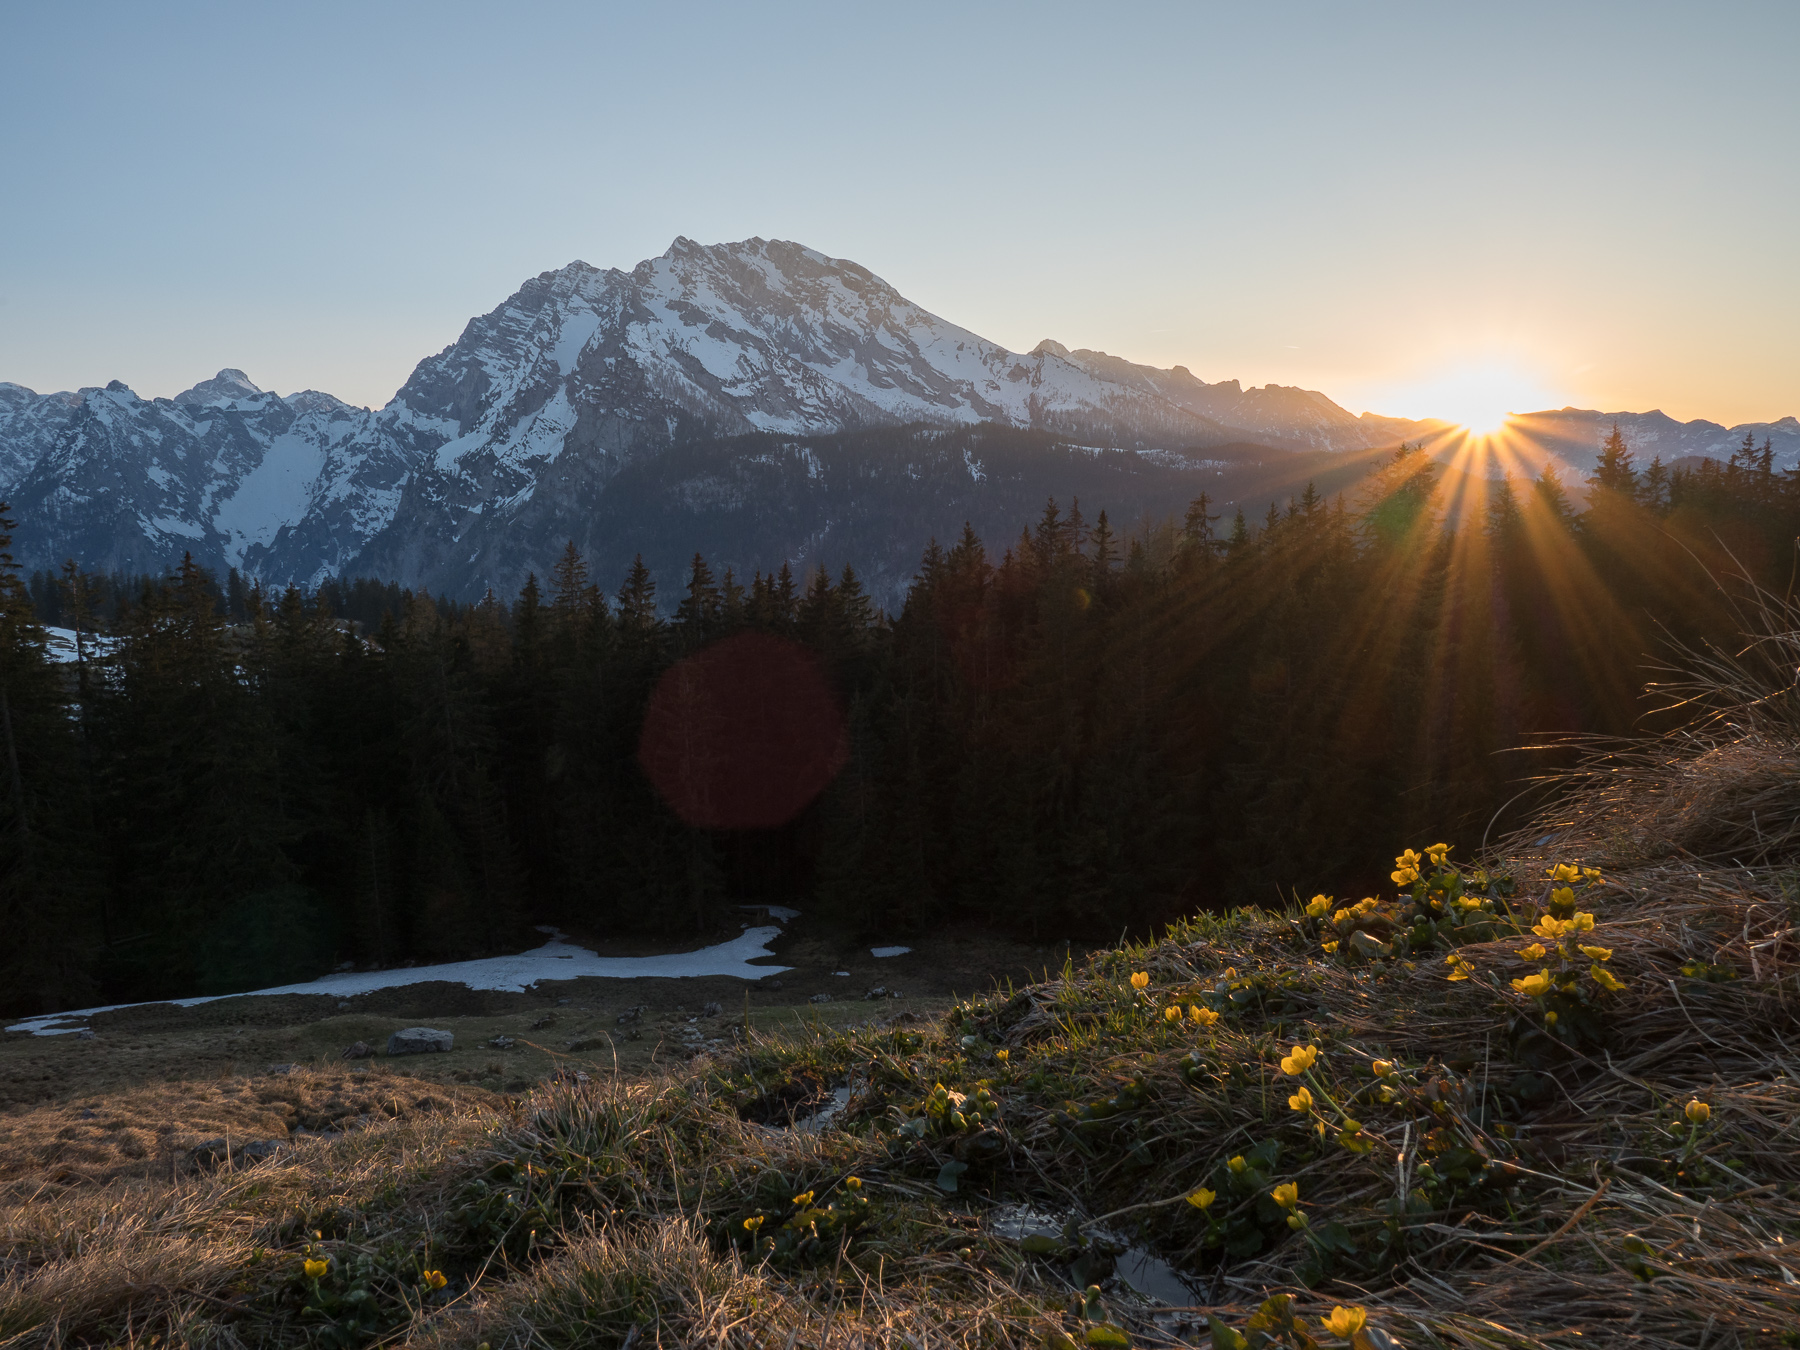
{"x": 889, "y": 951}
{"x": 555, "y": 960}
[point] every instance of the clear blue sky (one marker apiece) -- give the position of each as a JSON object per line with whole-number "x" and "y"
{"x": 1589, "y": 203}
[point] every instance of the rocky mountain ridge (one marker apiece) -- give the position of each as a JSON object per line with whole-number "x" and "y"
{"x": 507, "y": 442}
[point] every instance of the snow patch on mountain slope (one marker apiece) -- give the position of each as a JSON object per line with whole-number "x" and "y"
{"x": 275, "y": 493}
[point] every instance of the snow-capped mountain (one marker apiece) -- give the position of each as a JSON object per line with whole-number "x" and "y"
{"x": 1576, "y": 434}
{"x": 514, "y": 438}
{"x": 222, "y": 470}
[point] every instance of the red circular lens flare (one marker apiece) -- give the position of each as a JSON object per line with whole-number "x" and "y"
{"x": 743, "y": 734}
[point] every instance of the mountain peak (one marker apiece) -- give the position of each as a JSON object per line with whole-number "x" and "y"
{"x": 1050, "y": 347}
{"x": 227, "y": 386}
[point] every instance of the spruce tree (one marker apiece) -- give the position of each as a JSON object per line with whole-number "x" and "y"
{"x": 637, "y": 600}
{"x": 1613, "y": 472}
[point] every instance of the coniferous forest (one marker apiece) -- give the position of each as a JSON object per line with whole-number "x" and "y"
{"x": 1069, "y": 733}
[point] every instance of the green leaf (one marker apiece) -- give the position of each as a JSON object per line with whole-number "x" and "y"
{"x": 1223, "y": 1337}
{"x": 947, "y": 1175}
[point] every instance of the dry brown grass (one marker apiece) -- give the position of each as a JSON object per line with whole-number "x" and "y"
{"x": 150, "y": 1129}
{"x": 156, "y": 1242}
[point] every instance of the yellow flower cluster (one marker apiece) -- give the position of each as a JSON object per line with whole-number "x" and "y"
{"x": 1460, "y": 969}
{"x": 1554, "y": 928}
{"x": 1406, "y": 868}
{"x": 1350, "y": 913}
{"x": 1318, "y": 907}
{"x": 1565, "y": 934}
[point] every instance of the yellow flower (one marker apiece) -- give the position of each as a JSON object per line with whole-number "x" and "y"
{"x": 1535, "y": 952}
{"x": 751, "y": 1225}
{"x": 1592, "y": 876}
{"x": 316, "y": 1269}
{"x": 1300, "y": 1059}
{"x": 1003, "y": 1055}
{"x": 1331, "y": 947}
{"x": 1301, "y": 1100}
{"x": 1437, "y": 852}
{"x": 1202, "y": 1198}
{"x": 1697, "y": 1112}
{"x": 1563, "y": 872}
{"x": 853, "y": 1183}
{"x": 1549, "y": 927}
{"x": 1345, "y": 1322}
{"x": 1237, "y": 1164}
{"x": 1562, "y": 895}
{"x": 435, "y": 1279}
{"x": 1597, "y": 953}
{"x": 1408, "y": 858}
{"x": 1204, "y": 1017}
{"x": 1140, "y": 979}
{"x": 1582, "y": 923}
{"x": 1606, "y": 979}
{"x": 1171, "y": 1013}
{"x": 1550, "y": 1018}
{"x": 1460, "y": 969}
{"x": 1287, "y": 1195}
{"x": 804, "y": 1198}
{"x": 1470, "y": 901}
{"x": 1534, "y": 985}
{"x": 1404, "y": 876}
{"x": 1383, "y": 1067}
{"x": 1318, "y": 906}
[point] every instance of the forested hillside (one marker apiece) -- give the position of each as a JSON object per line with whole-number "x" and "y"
{"x": 1067, "y": 733}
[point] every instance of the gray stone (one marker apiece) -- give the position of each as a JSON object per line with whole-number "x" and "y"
{"x": 819, "y": 998}
{"x": 419, "y": 1041}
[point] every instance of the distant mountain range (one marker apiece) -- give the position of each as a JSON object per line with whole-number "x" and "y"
{"x": 757, "y": 401}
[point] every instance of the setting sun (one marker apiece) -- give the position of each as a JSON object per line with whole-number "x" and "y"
{"x": 1478, "y": 399}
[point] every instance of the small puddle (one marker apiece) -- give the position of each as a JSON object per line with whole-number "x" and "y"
{"x": 1155, "y": 1278}
{"x": 821, "y": 1119}
{"x": 1045, "y": 1233}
